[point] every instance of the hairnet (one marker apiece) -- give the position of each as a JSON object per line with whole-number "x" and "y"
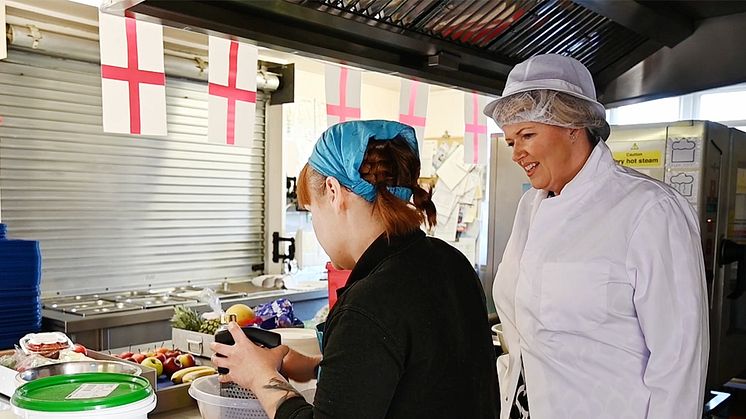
{"x": 552, "y": 108}
{"x": 340, "y": 150}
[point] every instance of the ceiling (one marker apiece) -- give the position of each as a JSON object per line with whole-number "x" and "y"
{"x": 473, "y": 44}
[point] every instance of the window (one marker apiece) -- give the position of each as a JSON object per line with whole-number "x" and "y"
{"x": 724, "y": 106}
{"x": 661, "y": 110}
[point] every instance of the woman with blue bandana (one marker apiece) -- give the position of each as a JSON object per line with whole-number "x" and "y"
{"x": 408, "y": 336}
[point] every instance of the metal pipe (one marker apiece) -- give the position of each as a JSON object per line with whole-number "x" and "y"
{"x": 64, "y": 46}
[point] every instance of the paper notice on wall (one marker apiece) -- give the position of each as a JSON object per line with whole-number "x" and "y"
{"x": 4, "y": 41}
{"x": 447, "y": 224}
{"x": 469, "y": 192}
{"x": 470, "y": 212}
{"x": 453, "y": 170}
{"x": 426, "y": 158}
{"x": 444, "y": 200}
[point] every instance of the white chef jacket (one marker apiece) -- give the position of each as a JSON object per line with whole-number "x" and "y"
{"x": 602, "y": 297}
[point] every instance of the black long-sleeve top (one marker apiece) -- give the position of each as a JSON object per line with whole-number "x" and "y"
{"x": 407, "y": 338}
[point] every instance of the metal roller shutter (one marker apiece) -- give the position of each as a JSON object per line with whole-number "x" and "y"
{"x": 118, "y": 211}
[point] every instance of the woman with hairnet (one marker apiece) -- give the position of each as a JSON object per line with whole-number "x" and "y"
{"x": 408, "y": 337}
{"x": 601, "y": 289}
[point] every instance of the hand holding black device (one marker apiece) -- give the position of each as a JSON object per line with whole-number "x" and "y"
{"x": 259, "y": 336}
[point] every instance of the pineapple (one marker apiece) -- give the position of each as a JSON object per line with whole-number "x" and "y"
{"x": 209, "y": 326}
{"x": 185, "y": 318}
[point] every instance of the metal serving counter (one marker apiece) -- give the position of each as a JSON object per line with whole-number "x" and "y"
{"x": 106, "y": 330}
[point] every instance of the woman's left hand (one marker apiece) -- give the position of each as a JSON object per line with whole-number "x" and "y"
{"x": 249, "y": 365}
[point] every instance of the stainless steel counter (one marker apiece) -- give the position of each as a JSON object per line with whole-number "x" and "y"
{"x": 105, "y": 331}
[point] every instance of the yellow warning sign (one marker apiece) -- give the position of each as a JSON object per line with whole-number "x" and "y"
{"x": 637, "y": 158}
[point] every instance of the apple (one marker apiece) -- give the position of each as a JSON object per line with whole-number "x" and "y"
{"x": 161, "y": 350}
{"x": 130, "y": 359}
{"x": 171, "y": 366}
{"x": 172, "y": 354}
{"x": 161, "y": 357}
{"x": 139, "y": 357}
{"x": 150, "y": 353}
{"x": 80, "y": 349}
{"x": 153, "y": 363}
{"x": 186, "y": 360}
{"x": 125, "y": 355}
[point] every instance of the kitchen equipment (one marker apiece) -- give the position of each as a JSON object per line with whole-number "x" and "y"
{"x": 85, "y": 395}
{"x": 706, "y": 163}
{"x": 259, "y": 336}
{"x": 77, "y": 367}
{"x": 216, "y": 401}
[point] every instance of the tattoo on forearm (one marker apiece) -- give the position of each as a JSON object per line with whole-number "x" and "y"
{"x": 277, "y": 384}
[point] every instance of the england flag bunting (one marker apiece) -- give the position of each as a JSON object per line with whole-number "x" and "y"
{"x": 475, "y": 129}
{"x": 342, "y": 94}
{"x": 133, "y": 82}
{"x": 413, "y": 106}
{"x": 3, "y": 42}
{"x": 232, "y": 88}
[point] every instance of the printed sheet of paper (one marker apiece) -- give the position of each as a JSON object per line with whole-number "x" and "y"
{"x": 470, "y": 212}
{"x": 426, "y": 159}
{"x": 453, "y": 170}
{"x": 447, "y": 224}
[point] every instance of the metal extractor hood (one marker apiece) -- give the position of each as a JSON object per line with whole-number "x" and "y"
{"x": 636, "y": 50}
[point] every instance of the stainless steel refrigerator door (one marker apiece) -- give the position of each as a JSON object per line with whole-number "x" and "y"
{"x": 728, "y": 308}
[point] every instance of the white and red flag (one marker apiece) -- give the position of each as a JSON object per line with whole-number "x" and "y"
{"x": 475, "y": 129}
{"x": 413, "y": 106}
{"x": 232, "y": 87}
{"x": 3, "y": 42}
{"x": 342, "y": 94}
{"x": 133, "y": 82}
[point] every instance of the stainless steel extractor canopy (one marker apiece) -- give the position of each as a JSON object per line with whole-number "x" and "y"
{"x": 636, "y": 50}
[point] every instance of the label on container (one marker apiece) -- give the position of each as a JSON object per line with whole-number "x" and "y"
{"x": 92, "y": 391}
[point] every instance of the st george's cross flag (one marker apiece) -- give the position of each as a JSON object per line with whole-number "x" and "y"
{"x": 232, "y": 88}
{"x": 413, "y": 106}
{"x": 3, "y": 42}
{"x": 133, "y": 82}
{"x": 342, "y": 94}
{"x": 475, "y": 129}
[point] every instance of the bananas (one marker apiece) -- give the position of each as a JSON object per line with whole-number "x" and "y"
{"x": 181, "y": 375}
{"x": 196, "y": 374}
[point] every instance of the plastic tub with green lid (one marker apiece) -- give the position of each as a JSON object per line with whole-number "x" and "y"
{"x": 85, "y": 395}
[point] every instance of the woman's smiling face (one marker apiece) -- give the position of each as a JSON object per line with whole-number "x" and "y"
{"x": 548, "y": 154}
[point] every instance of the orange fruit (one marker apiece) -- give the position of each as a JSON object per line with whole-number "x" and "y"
{"x": 244, "y": 314}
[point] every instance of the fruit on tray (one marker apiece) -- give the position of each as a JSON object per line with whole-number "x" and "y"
{"x": 138, "y": 357}
{"x": 185, "y": 318}
{"x": 244, "y": 314}
{"x": 186, "y": 360}
{"x": 171, "y": 366}
{"x": 153, "y": 363}
{"x": 209, "y": 326}
{"x": 178, "y": 376}
{"x": 188, "y": 378}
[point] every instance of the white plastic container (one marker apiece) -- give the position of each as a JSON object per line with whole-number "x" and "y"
{"x": 241, "y": 405}
{"x": 89, "y": 395}
{"x": 304, "y": 341}
{"x": 137, "y": 410}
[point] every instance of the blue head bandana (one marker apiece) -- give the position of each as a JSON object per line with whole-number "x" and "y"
{"x": 340, "y": 150}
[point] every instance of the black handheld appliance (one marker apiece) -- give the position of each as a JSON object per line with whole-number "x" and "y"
{"x": 259, "y": 336}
